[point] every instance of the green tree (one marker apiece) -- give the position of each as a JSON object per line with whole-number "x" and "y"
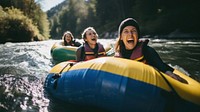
{"x": 16, "y": 27}
{"x": 32, "y": 10}
{"x": 75, "y": 16}
{"x": 155, "y": 17}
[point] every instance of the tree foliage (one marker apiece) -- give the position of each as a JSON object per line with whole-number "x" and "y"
{"x": 154, "y": 16}
{"x": 31, "y": 10}
{"x": 15, "y": 26}
{"x": 75, "y": 15}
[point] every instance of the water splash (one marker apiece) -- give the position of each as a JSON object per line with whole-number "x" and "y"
{"x": 24, "y": 66}
{"x": 22, "y": 93}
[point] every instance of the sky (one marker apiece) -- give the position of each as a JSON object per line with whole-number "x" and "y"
{"x": 48, "y": 4}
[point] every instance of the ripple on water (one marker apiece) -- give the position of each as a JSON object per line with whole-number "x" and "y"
{"x": 22, "y": 93}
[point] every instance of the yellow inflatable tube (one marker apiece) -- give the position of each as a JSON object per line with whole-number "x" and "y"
{"x": 141, "y": 72}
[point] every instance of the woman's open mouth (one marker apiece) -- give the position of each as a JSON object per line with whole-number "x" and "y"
{"x": 130, "y": 41}
{"x": 94, "y": 39}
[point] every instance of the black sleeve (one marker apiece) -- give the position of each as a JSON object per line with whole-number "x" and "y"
{"x": 77, "y": 44}
{"x": 154, "y": 59}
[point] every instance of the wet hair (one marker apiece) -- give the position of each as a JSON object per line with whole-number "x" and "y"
{"x": 84, "y": 32}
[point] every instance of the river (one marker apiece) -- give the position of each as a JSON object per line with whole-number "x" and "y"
{"x": 24, "y": 66}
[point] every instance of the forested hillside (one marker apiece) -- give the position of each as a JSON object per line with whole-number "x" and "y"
{"x": 155, "y": 17}
{"x": 22, "y": 21}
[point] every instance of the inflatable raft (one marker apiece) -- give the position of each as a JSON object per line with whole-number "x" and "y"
{"x": 122, "y": 85}
{"x": 62, "y": 53}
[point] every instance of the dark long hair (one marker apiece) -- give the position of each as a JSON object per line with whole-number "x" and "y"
{"x": 72, "y": 38}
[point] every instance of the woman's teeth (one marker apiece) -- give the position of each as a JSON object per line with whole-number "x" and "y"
{"x": 130, "y": 41}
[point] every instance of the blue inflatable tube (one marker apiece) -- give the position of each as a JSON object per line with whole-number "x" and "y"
{"x": 121, "y": 85}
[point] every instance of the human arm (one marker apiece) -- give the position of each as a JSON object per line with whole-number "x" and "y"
{"x": 76, "y": 43}
{"x": 154, "y": 60}
{"x": 78, "y": 54}
{"x": 175, "y": 76}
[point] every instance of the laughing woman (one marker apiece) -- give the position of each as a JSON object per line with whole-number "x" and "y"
{"x": 90, "y": 49}
{"x": 130, "y": 47}
{"x": 68, "y": 40}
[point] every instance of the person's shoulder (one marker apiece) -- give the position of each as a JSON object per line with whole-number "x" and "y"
{"x": 144, "y": 41}
{"x": 149, "y": 50}
{"x": 77, "y": 43}
{"x": 100, "y": 45}
{"x": 81, "y": 46}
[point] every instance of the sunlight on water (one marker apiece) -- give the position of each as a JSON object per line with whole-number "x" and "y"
{"x": 22, "y": 93}
{"x": 24, "y": 66}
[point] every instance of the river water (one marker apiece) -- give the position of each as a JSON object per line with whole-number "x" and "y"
{"x": 24, "y": 66}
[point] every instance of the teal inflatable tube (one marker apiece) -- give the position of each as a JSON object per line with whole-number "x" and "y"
{"x": 62, "y": 53}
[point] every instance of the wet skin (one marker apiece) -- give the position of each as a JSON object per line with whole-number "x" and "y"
{"x": 129, "y": 36}
{"x": 91, "y": 38}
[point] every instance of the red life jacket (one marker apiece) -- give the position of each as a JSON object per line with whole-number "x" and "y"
{"x": 137, "y": 53}
{"x": 89, "y": 53}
